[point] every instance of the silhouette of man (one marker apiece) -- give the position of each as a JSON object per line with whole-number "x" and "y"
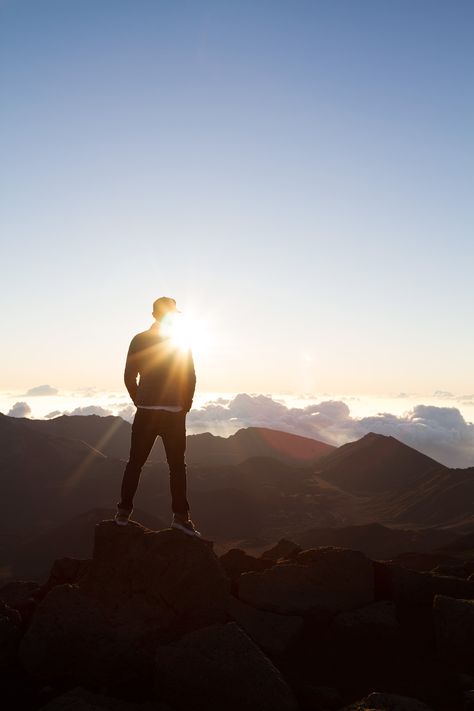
{"x": 163, "y": 396}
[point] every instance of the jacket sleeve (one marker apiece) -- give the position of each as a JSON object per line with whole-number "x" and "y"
{"x": 131, "y": 371}
{"x": 190, "y": 384}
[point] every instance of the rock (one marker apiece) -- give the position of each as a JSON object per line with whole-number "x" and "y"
{"x": 403, "y": 585}
{"x": 142, "y": 588}
{"x": 23, "y": 596}
{"x": 219, "y": 667}
{"x": 454, "y": 628}
{"x": 457, "y": 571}
{"x": 272, "y": 632}
{"x": 319, "y": 698}
{"x": 237, "y": 561}
{"x": 283, "y": 549}
{"x": 325, "y": 578}
{"x": 387, "y": 702}
{"x": 67, "y": 570}
{"x": 10, "y": 634}
{"x": 18, "y": 592}
{"x": 377, "y": 620}
{"x": 80, "y": 699}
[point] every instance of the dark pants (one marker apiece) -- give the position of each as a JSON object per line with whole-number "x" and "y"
{"x": 147, "y": 425}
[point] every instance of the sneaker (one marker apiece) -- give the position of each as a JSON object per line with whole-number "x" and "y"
{"x": 122, "y": 517}
{"x": 185, "y": 525}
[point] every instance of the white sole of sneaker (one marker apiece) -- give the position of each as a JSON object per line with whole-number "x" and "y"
{"x": 185, "y": 530}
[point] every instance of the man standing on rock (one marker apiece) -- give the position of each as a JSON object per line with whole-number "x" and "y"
{"x": 163, "y": 396}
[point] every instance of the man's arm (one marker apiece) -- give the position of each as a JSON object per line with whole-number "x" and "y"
{"x": 131, "y": 371}
{"x": 190, "y": 381}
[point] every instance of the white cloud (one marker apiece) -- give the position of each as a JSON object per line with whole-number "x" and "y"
{"x": 90, "y": 410}
{"x": 20, "y": 409}
{"x": 54, "y": 413}
{"x": 41, "y": 390}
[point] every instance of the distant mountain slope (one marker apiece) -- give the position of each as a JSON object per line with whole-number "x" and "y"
{"x": 111, "y": 436}
{"x": 254, "y": 442}
{"x": 376, "y": 463}
{"x": 444, "y": 497}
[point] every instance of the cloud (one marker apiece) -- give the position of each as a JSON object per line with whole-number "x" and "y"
{"x": 90, "y": 410}
{"x": 20, "y": 409}
{"x": 54, "y": 413}
{"x": 41, "y": 390}
{"x": 127, "y": 413}
{"x": 439, "y": 432}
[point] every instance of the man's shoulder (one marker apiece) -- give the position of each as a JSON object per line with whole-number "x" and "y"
{"x": 140, "y": 338}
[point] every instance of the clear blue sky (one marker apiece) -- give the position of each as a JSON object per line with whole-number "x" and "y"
{"x": 298, "y": 174}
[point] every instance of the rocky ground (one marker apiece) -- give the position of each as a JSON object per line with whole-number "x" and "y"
{"x": 157, "y": 621}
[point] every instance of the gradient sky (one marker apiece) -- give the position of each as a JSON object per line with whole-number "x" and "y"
{"x": 296, "y": 174}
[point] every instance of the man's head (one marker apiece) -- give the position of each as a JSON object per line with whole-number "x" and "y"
{"x": 164, "y": 305}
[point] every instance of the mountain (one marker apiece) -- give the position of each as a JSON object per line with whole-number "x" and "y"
{"x": 374, "y": 464}
{"x": 111, "y": 436}
{"x": 258, "y": 485}
{"x": 249, "y": 442}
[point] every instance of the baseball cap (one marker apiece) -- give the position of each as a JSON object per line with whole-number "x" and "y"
{"x": 165, "y": 304}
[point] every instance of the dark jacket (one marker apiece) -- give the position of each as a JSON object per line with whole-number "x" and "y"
{"x": 167, "y": 375}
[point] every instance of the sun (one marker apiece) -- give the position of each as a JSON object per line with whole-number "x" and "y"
{"x": 186, "y": 332}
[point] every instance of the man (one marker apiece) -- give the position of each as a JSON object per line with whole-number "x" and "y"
{"x": 163, "y": 396}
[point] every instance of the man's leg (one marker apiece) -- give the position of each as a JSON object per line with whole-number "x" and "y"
{"x": 143, "y": 437}
{"x": 173, "y": 432}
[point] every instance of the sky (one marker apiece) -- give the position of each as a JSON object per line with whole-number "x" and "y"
{"x": 297, "y": 175}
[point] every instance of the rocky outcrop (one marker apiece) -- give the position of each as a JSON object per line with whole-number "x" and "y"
{"x": 320, "y": 579}
{"x": 454, "y": 626}
{"x": 283, "y": 549}
{"x": 236, "y": 561}
{"x": 403, "y": 585}
{"x": 142, "y": 588}
{"x": 220, "y": 667}
{"x": 80, "y": 699}
{"x": 376, "y": 622}
{"x": 273, "y": 633}
{"x": 377, "y": 701}
{"x": 10, "y": 633}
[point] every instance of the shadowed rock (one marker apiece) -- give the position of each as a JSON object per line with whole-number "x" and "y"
{"x": 377, "y": 621}
{"x": 79, "y": 699}
{"x": 326, "y": 578}
{"x": 454, "y": 626}
{"x": 272, "y": 632}
{"x": 237, "y": 561}
{"x": 10, "y": 632}
{"x": 283, "y": 549}
{"x": 143, "y": 587}
{"x": 219, "y": 667}
{"x": 403, "y": 585}
{"x": 377, "y": 701}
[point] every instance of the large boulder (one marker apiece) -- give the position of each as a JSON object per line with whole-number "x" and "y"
{"x": 410, "y": 586}
{"x": 220, "y": 667}
{"x": 320, "y": 579}
{"x": 236, "y": 561}
{"x": 378, "y": 701}
{"x": 10, "y": 633}
{"x": 283, "y": 549}
{"x": 142, "y": 588}
{"x": 375, "y": 622}
{"x": 80, "y": 699}
{"x": 454, "y": 628}
{"x": 273, "y": 633}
